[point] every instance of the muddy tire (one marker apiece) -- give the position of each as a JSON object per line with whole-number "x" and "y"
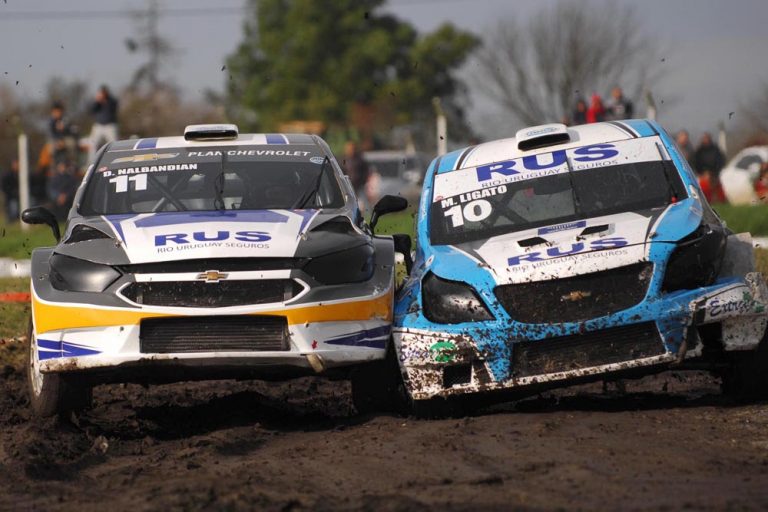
{"x": 747, "y": 376}
{"x": 435, "y": 409}
{"x": 378, "y": 386}
{"x": 49, "y": 393}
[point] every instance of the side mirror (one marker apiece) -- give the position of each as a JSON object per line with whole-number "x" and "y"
{"x": 40, "y": 215}
{"x": 403, "y": 246}
{"x": 387, "y": 204}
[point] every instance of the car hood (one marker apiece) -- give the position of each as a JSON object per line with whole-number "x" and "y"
{"x": 575, "y": 248}
{"x": 147, "y": 238}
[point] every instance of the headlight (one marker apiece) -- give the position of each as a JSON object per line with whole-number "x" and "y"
{"x": 697, "y": 259}
{"x": 350, "y": 266}
{"x": 450, "y": 302}
{"x": 76, "y": 275}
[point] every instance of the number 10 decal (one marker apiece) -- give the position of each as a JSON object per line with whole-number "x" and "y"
{"x": 474, "y": 211}
{"x": 121, "y": 182}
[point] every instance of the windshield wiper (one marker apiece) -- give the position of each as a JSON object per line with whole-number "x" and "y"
{"x": 312, "y": 191}
{"x": 218, "y": 185}
{"x": 574, "y": 195}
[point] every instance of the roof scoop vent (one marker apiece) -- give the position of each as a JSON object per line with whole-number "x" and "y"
{"x": 211, "y": 132}
{"x": 541, "y": 136}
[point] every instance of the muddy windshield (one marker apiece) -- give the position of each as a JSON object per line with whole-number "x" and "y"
{"x": 560, "y": 194}
{"x": 207, "y": 179}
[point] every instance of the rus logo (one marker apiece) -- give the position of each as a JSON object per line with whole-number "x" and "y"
{"x": 579, "y": 247}
{"x": 219, "y": 236}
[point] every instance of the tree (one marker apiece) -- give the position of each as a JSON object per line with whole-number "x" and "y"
{"x": 302, "y": 59}
{"x": 535, "y": 72}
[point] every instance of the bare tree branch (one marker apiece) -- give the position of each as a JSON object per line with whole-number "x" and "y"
{"x": 535, "y": 72}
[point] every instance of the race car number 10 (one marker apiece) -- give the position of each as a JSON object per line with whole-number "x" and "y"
{"x": 474, "y": 211}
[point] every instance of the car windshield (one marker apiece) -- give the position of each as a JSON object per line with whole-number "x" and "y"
{"x": 560, "y": 195}
{"x": 206, "y": 179}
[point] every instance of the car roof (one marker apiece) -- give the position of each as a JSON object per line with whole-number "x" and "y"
{"x": 243, "y": 139}
{"x": 581, "y": 135}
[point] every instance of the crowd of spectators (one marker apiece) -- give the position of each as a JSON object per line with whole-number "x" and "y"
{"x": 54, "y": 180}
{"x": 617, "y": 107}
{"x": 706, "y": 160}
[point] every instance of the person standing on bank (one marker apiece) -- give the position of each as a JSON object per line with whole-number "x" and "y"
{"x": 104, "y": 111}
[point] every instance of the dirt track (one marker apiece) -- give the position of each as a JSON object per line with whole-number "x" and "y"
{"x": 244, "y": 446}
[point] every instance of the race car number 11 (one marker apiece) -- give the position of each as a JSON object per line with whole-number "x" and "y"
{"x": 474, "y": 211}
{"x": 121, "y": 182}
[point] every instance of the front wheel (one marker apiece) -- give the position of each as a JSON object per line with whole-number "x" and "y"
{"x": 378, "y": 386}
{"x": 747, "y": 375}
{"x": 50, "y": 393}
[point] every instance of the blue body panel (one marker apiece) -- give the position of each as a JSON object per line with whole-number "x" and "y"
{"x": 495, "y": 339}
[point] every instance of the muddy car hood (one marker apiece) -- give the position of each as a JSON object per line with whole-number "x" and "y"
{"x": 148, "y": 238}
{"x": 578, "y": 247}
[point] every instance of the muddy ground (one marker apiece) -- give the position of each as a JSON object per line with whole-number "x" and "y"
{"x": 668, "y": 442}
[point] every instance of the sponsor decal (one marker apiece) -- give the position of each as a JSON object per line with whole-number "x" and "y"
{"x": 317, "y": 160}
{"x": 219, "y": 239}
{"x": 148, "y": 157}
{"x": 575, "y": 248}
{"x": 443, "y": 351}
{"x": 545, "y": 161}
{"x": 249, "y": 152}
{"x": 746, "y": 305}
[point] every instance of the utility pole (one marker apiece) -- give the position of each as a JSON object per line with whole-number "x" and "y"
{"x": 442, "y": 127}
{"x": 23, "y": 177}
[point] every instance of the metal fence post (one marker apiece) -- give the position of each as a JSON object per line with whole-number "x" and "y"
{"x": 23, "y": 177}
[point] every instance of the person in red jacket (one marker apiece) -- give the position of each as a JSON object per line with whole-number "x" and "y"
{"x": 596, "y": 111}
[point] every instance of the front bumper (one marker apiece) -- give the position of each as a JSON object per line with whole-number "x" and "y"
{"x": 471, "y": 358}
{"x": 320, "y": 336}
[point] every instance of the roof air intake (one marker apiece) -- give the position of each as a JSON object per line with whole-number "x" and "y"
{"x": 541, "y": 136}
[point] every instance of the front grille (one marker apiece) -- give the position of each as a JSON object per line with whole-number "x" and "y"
{"x": 199, "y": 294}
{"x": 213, "y": 334}
{"x": 578, "y": 298}
{"x": 220, "y": 264}
{"x": 607, "y": 346}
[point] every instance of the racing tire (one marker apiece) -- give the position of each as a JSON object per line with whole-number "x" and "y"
{"x": 747, "y": 376}
{"x": 435, "y": 409}
{"x": 51, "y": 394}
{"x": 378, "y": 386}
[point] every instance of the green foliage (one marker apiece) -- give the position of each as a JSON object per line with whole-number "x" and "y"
{"x": 18, "y": 244}
{"x": 302, "y": 59}
{"x": 752, "y": 219}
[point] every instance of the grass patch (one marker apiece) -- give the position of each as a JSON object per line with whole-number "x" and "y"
{"x": 18, "y": 244}
{"x": 740, "y": 219}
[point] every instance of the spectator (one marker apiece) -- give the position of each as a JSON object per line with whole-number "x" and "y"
{"x": 620, "y": 107}
{"x": 708, "y": 157}
{"x": 104, "y": 130}
{"x": 683, "y": 140}
{"x": 61, "y": 189}
{"x": 356, "y": 168}
{"x": 596, "y": 111}
{"x": 579, "y": 115}
{"x": 761, "y": 185}
{"x": 61, "y": 136}
{"x": 9, "y": 183}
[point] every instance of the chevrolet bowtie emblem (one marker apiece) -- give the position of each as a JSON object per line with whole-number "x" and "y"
{"x": 212, "y": 276}
{"x": 576, "y": 295}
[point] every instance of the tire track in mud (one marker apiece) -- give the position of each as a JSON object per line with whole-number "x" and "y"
{"x": 298, "y": 445}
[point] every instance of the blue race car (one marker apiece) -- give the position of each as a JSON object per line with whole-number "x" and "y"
{"x": 565, "y": 255}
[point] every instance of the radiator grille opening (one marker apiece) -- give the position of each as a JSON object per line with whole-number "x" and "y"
{"x": 597, "y": 348}
{"x": 579, "y": 298}
{"x": 199, "y": 294}
{"x": 213, "y": 334}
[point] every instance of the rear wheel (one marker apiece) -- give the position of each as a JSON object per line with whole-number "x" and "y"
{"x": 747, "y": 376}
{"x": 50, "y": 393}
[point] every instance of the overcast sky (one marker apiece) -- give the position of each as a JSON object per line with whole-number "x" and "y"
{"x": 715, "y": 51}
